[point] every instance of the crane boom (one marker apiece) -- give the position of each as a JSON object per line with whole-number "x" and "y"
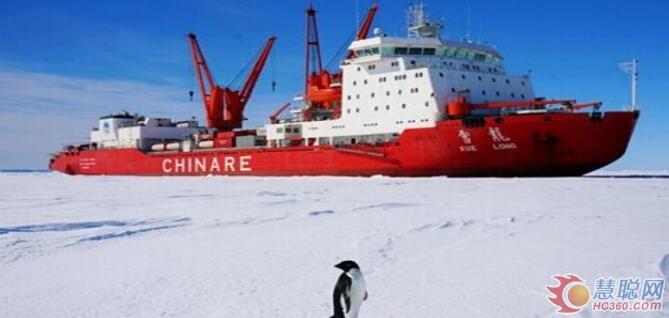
{"x": 205, "y": 81}
{"x": 273, "y": 117}
{"x": 254, "y": 74}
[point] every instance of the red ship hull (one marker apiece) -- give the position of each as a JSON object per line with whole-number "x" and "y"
{"x": 558, "y": 144}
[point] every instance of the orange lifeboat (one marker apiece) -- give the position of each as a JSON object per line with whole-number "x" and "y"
{"x": 458, "y": 108}
{"x": 321, "y": 90}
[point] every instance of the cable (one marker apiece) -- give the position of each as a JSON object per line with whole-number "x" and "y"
{"x": 339, "y": 54}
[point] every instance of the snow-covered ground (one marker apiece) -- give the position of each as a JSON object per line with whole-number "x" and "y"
{"x": 265, "y": 247}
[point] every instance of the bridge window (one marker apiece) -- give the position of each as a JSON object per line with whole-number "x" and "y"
{"x": 429, "y": 51}
{"x": 415, "y": 50}
{"x": 401, "y": 50}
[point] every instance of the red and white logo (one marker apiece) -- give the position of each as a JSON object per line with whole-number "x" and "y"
{"x": 570, "y": 295}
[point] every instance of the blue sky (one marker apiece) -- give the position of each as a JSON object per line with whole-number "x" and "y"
{"x": 64, "y": 63}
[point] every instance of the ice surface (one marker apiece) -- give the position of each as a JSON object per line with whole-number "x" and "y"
{"x": 265, "y": 247}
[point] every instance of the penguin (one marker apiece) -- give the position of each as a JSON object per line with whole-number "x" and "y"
{"x": 349, "y": 292}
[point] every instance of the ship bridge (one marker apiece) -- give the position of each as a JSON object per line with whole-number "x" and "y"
{"x": 391, "y": 47}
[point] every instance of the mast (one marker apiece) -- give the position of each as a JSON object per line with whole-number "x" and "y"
{"x": 632, "y": 68}
{"x": 314, "y": 63}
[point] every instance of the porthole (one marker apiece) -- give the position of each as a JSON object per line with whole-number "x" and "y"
{"x": 404, "y": 106}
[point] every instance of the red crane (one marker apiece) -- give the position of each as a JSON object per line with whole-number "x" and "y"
{"x": 224, "y": 107}
{"x": 275, "y": 115}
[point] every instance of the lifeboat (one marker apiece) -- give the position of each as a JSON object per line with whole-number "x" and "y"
{"x": 324, "y": 88}
{"x": 458, "y": 108}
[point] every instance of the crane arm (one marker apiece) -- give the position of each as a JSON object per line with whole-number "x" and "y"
{"x": 364, "y": 27}
{"x": 275, "y": 114}
{"x": 205, "y": 80}
{"x": 251, "y": 80}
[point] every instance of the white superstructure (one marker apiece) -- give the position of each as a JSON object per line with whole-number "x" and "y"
{"x": 133, "y": 131}
{"x": 397, "y": 83}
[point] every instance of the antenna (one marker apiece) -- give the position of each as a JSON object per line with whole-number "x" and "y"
{"x": 468, "y": 35}
{"x": 632, "y": 68}
{"x": 418, "y": 24}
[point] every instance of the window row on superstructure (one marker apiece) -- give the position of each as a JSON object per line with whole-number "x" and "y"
{"x": 461, "y": 53}
{"x": 388, "y": 93}
{"x": 387, "y": 107}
